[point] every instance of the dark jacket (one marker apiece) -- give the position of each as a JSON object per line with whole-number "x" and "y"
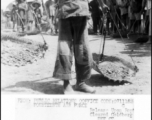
{"x": 136, "y": 6}
{"x": 72, "y": 8}
{"x": 94, "y": 8}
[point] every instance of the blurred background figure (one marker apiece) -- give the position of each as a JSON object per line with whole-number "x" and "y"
{"x": 51, "y": 12}
{"x": 3, "y": 19}
{"x": 123, "y": 6}
{"x": 7, "y": 15}
{"x": 113, "y": 9}
{"x": 136, "y": 10}
{"x": 131, "y": 18}
{"x": 14, "y": 16}
{"x": 96, "y": 15}
{"x": 22, "y": 10}
{"x": 30, "y": 17}
{"x": 148, "y": 14}
{"x": 37, "y": 14}
{"x": 56, "y": 20}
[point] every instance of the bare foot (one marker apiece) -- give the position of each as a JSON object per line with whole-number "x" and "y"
{"x": 83, "y": 87}
{"x": 67, "y": 87}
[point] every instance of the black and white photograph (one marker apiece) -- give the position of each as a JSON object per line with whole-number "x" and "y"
{"x": 67, "y": 47}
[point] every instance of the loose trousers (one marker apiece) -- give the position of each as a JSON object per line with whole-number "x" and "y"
{"x": 73, "y": 41}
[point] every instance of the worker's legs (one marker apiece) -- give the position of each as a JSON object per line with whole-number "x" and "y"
{"x": 64, "y": 53}
{"x": 63, "y": 63}
{"x": 73, "y": 34}
{"x": 83, "y": 57}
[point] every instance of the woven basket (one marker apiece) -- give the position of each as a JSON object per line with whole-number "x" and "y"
{"x": 116, "y": 69}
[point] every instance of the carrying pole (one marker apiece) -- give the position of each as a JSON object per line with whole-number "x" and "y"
{"x": 104, "y": 33}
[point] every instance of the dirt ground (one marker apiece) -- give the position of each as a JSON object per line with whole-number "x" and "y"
{"x": 36, "y": 78}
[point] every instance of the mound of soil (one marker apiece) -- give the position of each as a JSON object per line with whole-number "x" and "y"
{"x": 19, "y": 52}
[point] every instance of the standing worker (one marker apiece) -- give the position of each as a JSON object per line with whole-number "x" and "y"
{"x": 73, "y": 38}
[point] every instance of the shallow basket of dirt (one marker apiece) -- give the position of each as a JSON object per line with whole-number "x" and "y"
{"x": 115, "y": 68}
{"x": 17, "y": 51}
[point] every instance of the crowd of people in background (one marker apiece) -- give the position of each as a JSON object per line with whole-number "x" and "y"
{"x": 29, "y": 15}
{"x": 126, "y": 15}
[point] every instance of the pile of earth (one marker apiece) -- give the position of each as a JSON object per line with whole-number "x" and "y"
{"x": 18, "y": 52}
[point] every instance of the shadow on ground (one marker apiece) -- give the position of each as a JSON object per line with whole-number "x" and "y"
{"x": 51, "y": 87}
{"x": 135, "y": 49}
{"x": 138, "y": 50}
{"x": 98, "y": 80}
